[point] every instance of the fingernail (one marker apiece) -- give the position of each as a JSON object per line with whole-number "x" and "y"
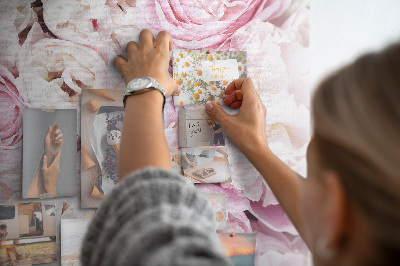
{"x": 209, "y": 106}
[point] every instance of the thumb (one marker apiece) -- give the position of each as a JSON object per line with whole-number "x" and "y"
{"x": 49, "y": 131}
{"x": 217, "y": 113}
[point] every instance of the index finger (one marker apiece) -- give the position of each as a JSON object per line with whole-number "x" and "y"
{"x": 55, "y": 127}
{"x": 246, "y": 86}
{"x": 164, "y": 41}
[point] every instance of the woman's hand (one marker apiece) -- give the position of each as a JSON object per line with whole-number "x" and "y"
{"x": 247, "y": 129}
{"x": 53, "y": 142}
{"x": 150, "y": 59}
{"x": 50, "y": 175}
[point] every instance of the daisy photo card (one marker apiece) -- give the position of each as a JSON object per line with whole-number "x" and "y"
{"x": 204, "y": 74}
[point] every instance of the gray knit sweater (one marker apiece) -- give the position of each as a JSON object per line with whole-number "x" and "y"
{"x": 153, "y": 217}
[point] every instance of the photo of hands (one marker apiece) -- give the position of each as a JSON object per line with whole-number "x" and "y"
{"x": 49, "y": 153}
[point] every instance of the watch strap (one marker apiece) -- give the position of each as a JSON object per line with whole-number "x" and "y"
{"x": 153, "y": 86}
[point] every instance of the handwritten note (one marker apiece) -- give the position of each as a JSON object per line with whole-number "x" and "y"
{"x": 219, "y": 70}
{"x": 194, "y": 128}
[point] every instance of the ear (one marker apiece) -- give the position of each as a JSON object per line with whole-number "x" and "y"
{"x": 338, "y": 219}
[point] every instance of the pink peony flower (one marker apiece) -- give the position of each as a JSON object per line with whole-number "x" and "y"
{"x": 6, "y": 191}
{"x": 123, "y": 13}
{"x": 16, "y": 17}
{"x": 281, "y": 250}
{"x": 278, "y": 243}
{"x": 53, "y": 72}
{"x": 199, "y": 24}
{"x": 89, "y": 23}
{"x": 235, "y": 200}
{"x": 11, "y": 106}
{"x": 273, "y": 217}
{"x": 83, "y": 22}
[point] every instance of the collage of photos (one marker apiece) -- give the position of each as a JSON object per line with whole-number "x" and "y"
{"x": 28, "y": 233}
{"x": 49, "y": 153}
{"x": 204, "y": 74}
{"x": 102, "y": 114}
{"x": 28, "y": 229}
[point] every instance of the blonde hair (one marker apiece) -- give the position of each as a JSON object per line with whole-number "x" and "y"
{"x": 357, "y": 134}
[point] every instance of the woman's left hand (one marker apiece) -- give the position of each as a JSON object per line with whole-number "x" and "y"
{"x": 150, "y": 59}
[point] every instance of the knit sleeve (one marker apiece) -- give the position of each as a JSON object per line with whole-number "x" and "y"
{"x": 153, "y": 217}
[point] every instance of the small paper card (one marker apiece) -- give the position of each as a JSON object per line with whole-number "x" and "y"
{"x": 240, "y": 248}
{"x": 198, "y": 128}
{"x": 203, "y": 75}
{"x": 102, "y": 115}
{"x": 218, "y": 201}
{"x": 72, "y": 234}
{"x": 49, "y": 144}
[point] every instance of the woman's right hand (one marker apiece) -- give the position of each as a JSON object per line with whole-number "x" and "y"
{"x": 53, "y": 142}
{"x": 247, "y": 129}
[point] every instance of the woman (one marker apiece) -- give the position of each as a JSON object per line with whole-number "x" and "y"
{"x": 347, "y": 210}
{"x": 217, "y": 129}
{"x": 9, "y": 250}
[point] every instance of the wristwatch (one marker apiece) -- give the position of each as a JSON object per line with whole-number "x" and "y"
{"x": 142, "y": 85}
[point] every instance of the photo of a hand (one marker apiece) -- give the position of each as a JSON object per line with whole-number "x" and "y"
{"x": 53, "y": 141}
{"x": 44, "y": 182}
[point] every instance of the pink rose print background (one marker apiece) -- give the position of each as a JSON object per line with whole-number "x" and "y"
{"x": 50, "y": 51}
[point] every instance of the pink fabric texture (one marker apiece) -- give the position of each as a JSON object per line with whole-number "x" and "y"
{"x": 50, "y": 51}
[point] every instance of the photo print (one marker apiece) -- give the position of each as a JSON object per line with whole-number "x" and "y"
{"x": 34, "y": 221}
{"x": 72, "y": 233}
{"x": 204, "y": 74}
{"x": 218, "y": 201}
{"x": 9, "y": 222}
{"x": 28, "y": 251}
{"x": 206, "y": 164}
{"x": 239, "y": 247}
{"x": 49, "y": 153}
{"x": 102, "y": 114}
{"x": 28, "y": 234}
{"x": 198, "y": 128}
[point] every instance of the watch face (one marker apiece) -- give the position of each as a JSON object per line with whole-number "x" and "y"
{"x": 140, "y": 83}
